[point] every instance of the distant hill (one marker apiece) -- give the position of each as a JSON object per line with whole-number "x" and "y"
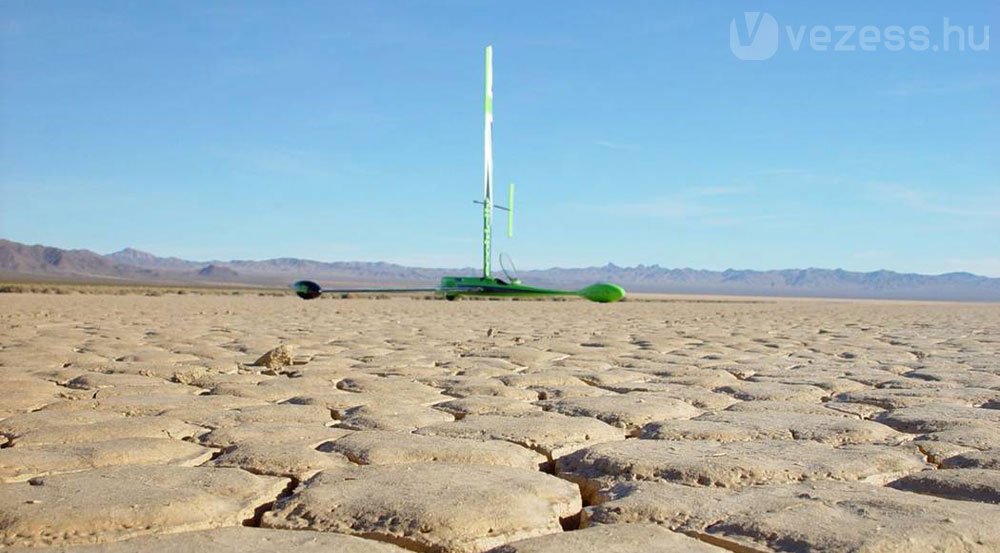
{"x": 24, "y": 261}
{"x": 137, "y": 258}
{"x": 218, "y": 272}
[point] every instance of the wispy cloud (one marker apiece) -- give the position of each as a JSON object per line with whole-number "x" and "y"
{"x": 985, "y": 205}
{"x": 736, "y": 220}
{"x": 702, "y": 203}
{"x": 667, "y": 207}
{"x": 614, "y": 145}
{"x": 785, "y": 172}
{"x": 431, "y": 259}
{"x": 869, "y": 255}
{"x": 799, "y": 174}
{"x": 280, "y": 160}
{"x": 719, "y": 190}
{"x": 973, "y": 83}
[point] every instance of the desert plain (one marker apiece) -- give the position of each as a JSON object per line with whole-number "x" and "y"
{"x": 258, "y": 423}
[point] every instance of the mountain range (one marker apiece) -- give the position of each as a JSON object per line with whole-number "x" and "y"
{"x": 33, "y": 262}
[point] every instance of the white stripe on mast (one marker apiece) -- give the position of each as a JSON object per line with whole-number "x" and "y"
{"x": 488, "y": 127}
{"x": 488, "y": 166}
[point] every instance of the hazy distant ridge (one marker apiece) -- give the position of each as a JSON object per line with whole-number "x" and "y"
{"x": 20, "y": 260}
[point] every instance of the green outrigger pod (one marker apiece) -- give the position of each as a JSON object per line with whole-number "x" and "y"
{"x": 453, "y": 287}
{"x": 307, "y": 289}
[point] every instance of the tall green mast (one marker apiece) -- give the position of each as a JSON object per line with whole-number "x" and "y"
{"x": 488, "y": 166}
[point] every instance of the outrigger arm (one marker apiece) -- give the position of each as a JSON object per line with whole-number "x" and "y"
{"x": 454, "y": 287}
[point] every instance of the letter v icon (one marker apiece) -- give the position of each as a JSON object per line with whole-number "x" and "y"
{"x": 756, "y": 39}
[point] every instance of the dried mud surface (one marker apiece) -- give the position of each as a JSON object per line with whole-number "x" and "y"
{"x": 245, "y": 423}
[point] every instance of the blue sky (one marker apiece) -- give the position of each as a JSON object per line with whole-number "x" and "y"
{"x": 353, "y": 131}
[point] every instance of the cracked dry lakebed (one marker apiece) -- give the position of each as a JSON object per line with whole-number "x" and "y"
{"x": 245, "y": 423}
